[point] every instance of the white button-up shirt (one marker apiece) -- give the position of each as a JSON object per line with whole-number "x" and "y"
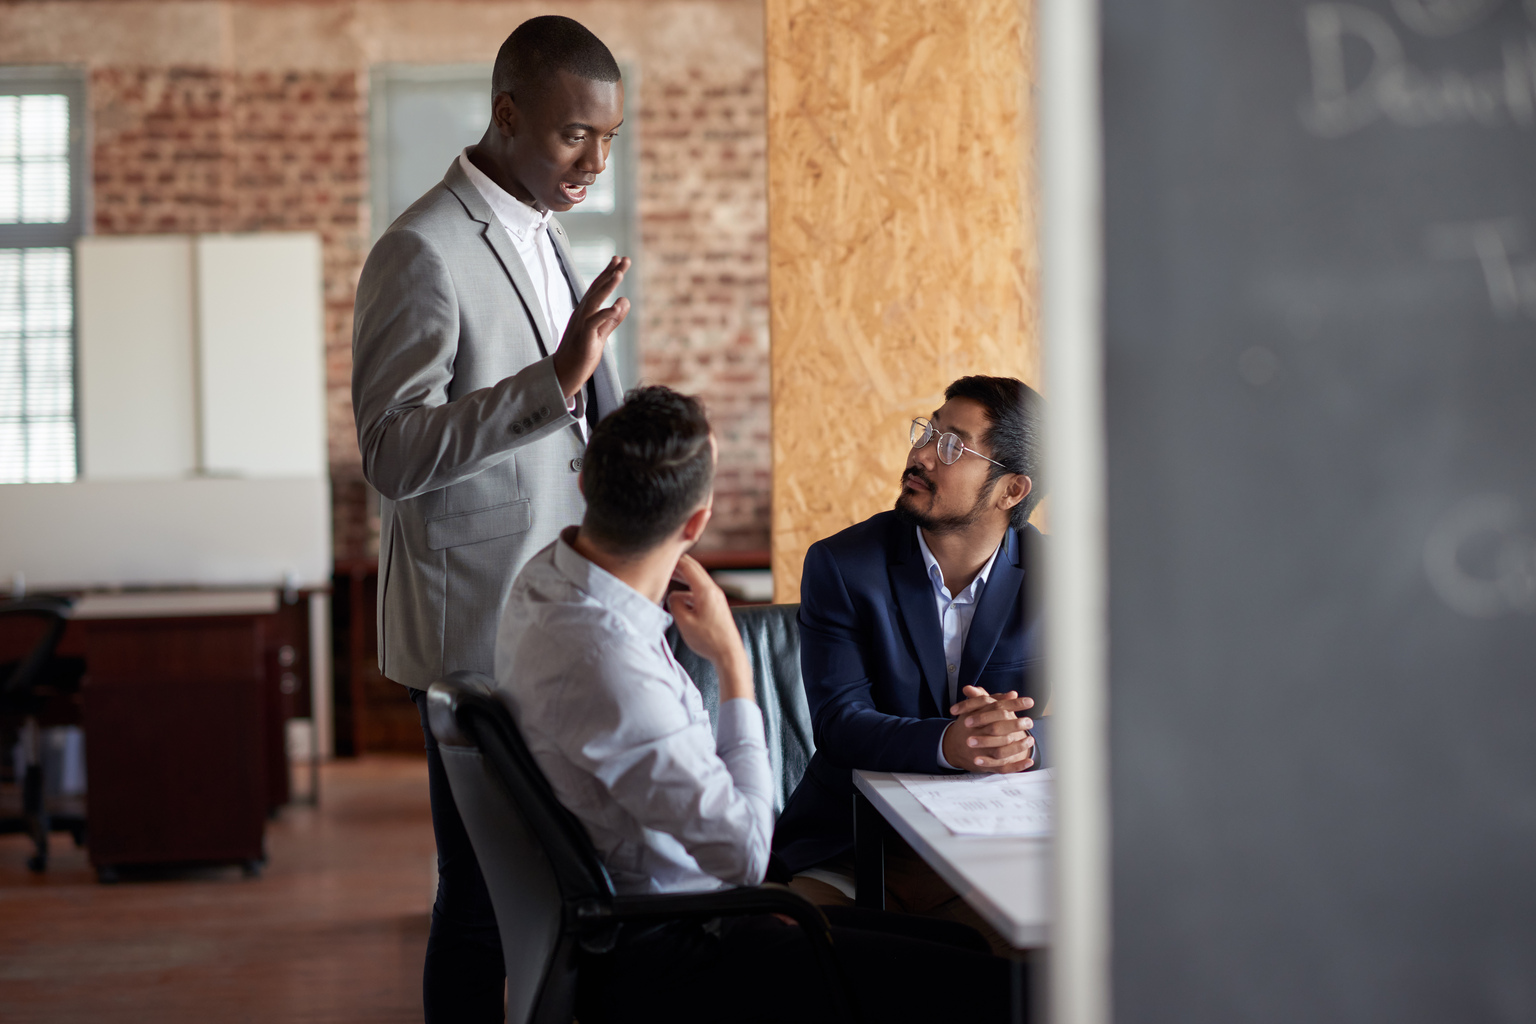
{"x": 955, "y": 615}
{"x": 528, "y": 228}
{"x": 621, "y": 733}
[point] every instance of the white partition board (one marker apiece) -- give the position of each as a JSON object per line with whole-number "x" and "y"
{"x": 138, "y": 417}
{"x": 261, "y": 356}
{"x": 201, "y": 532}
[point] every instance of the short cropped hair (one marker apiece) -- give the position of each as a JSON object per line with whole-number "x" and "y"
{"x": 1015, "y": 436}
{"x": 540, "y": 47}
{"x": 648, "y": 467}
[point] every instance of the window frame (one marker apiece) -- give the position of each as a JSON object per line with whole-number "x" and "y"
{"x": 69, "y": 81}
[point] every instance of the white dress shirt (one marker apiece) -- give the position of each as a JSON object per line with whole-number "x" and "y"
{"x": 528, "y": 228}
{"x": 620, "y": 731}
{"x": 955, "y": 615}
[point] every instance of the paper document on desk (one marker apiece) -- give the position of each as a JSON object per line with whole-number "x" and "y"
{"x": 1022, "y": 804}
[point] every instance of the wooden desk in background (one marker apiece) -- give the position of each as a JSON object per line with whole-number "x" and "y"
{"x": 185, "y": 704}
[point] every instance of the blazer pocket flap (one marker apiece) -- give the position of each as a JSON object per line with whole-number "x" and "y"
{"x": 455, "y": 528}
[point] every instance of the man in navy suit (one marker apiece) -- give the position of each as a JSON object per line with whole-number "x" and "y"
{"x": 919, "y": 633}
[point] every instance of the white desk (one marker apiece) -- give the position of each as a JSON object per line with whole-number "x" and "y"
{"x": 1007, "y": 881}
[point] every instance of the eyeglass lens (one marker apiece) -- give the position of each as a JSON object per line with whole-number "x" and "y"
{"x": 949, "y": 447}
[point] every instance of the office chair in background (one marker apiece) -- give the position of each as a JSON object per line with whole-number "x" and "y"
{"x": 38, "y": 691}
{"x": 550, "y": 891}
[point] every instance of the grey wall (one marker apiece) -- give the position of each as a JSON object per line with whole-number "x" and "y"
{"x": 1321, "y": 390}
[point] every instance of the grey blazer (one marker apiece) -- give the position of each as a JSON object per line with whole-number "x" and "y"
{"x": 462, "y": 425}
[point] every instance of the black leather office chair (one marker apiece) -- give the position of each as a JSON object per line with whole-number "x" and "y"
{"x": 550, "y": 891}
{"x": 771, "y": 634}
{"x": 33, "y": 690}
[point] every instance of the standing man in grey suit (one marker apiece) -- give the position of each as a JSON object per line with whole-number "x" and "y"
{"x": 479, "y": 369}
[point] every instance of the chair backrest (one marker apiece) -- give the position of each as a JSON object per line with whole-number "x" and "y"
{"x": 771, "y": 634}
{"x": 55, "y": 612}
{"x": 538, "y": 862}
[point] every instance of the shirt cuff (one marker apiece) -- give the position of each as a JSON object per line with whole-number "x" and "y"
{"x": 943, "y": 763}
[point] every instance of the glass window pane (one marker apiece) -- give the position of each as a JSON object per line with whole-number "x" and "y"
{"x": 50, "y": 452}
{"x": 37, "y": 402}
{"x": 46, "y": 291}
{"x": 34, "y": 160}
{"x": 601, "y": 194}
{"x": 591, "y": 256}
{"x": 12, "y": 393}
{"x": 13, "y": 452}
{"x": 10, "y": 292}
{"x": 45, "y": 192}
{"x": 49, "y": 380}
{"x": 10, "y": 191}
{"x": 44, "y": 123}
{"x": 9, "y": 126}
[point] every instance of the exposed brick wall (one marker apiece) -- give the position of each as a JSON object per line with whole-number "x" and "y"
{"x": 186, "y": 149}
{"x": 199, "y": 149}
{"x": 704, "y": 228}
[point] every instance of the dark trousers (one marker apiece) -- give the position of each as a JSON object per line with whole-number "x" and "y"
{"x": 465, "y": 976}
{"x": 747, "y": 969}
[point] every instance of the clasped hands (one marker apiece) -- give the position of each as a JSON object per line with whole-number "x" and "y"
{"x": 988, "y": 735}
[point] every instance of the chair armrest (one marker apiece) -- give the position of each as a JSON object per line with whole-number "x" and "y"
{"x": 769, "y": 898}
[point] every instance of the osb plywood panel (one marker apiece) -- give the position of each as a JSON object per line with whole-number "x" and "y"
{"x": 901, "y": 238}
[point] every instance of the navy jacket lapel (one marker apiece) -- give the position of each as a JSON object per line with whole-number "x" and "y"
{"x": 996, "y": 604}
{"x": 496, "y": 236}
{"x": 914, "y": 596}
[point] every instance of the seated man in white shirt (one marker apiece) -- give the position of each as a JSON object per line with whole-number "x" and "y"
{"x": 622, "y": 735}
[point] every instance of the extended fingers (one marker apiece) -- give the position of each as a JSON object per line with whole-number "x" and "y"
{"x": 604, "y": 284}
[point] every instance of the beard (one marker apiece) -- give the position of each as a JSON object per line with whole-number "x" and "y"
{"x": 907, "y": 508}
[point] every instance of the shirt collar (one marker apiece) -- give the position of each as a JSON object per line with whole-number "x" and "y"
{"x": 936, "y": 575}
{"x": 648, "y": 617}
{"x": 522, "y": 220}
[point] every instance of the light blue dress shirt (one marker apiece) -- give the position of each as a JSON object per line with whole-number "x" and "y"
{"x": 955, "y": 614}
{"x": 620, "y": 731}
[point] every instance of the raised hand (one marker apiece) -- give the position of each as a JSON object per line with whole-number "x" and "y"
{"x": 581, "y": 347}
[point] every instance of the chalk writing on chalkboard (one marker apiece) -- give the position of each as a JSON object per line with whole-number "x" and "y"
{"x": 1392, "y": 89}
{"x": 1479, "y": 562}
{"x": 1496, "y": 245}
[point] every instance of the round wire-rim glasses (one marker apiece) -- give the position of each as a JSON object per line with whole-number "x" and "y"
{"x": 950, "y": 445}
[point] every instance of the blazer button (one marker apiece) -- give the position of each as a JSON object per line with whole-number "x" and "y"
{"x": 544, "y": 412}
{"x": 575, "y": 465}
{"x": 517, "y": 428}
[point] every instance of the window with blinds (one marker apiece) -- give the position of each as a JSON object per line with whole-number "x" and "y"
{"x": 41, "y": 193}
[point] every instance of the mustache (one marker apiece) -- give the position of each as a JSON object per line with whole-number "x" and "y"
{"x": 919, "y": 473}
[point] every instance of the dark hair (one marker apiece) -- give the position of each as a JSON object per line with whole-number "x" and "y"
{"x": 539, "y": 47}
{"x": 648, "y": 466}
{"x": 1016, "y": 412}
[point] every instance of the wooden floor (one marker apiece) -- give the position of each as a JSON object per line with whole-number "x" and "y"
{"x": 334, "y": 930}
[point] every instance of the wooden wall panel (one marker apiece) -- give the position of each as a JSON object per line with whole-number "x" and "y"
{"x": 901, "y": 241}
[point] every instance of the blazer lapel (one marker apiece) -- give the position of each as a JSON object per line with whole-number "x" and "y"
{"x": 496, "y": 236}
{"x": 992, "y": 609}
{"x": 914, "y": 596}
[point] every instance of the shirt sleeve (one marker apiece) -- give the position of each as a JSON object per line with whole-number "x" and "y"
{"x": 665, "y": 768}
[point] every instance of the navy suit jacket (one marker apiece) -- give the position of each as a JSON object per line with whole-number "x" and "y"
{"x": 872, "y": 660}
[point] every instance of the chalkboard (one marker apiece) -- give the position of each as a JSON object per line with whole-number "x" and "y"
{"x": 1320, "y": 380}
